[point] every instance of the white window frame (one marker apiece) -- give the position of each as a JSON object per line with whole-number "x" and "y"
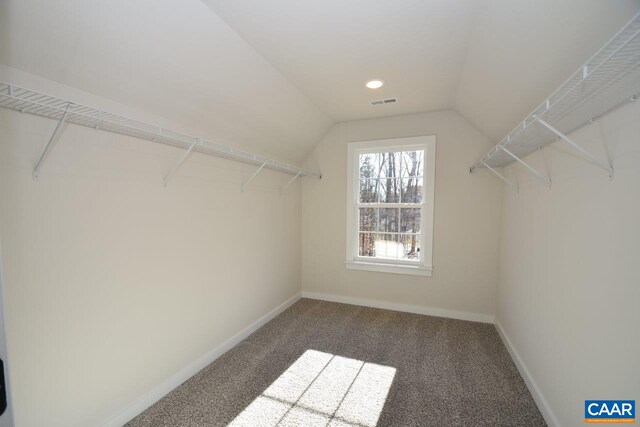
{"x": 422, "y": 267}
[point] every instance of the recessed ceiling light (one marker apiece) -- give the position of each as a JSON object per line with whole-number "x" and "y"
{"x": 375, "y": 84}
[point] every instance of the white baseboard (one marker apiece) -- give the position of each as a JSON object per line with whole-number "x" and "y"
{"x": 430, "y": 311}
{"x": 535, "y": 391}
{"x": 190, "y": 370}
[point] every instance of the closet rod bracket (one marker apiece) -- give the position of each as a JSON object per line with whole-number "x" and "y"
{"x": 244, "y": 185}
{"x": 166, "y": 179}
{"x": 290, "y": 182}
{"x": 51, "y": 143}
{"x": 502, "y": 177}
{"x": 604, "y": 165}
{"x": 544, "y": 178}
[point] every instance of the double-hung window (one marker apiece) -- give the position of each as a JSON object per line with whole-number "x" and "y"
{"x": 390, "y": 197}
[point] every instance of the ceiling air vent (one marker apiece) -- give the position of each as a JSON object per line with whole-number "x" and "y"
{"x": 384, "y": 101}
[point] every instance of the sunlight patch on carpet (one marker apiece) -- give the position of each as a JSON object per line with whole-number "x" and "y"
{"x": 322, "y": 389}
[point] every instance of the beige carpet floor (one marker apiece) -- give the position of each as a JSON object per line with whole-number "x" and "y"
{"x": 329, "y": 364}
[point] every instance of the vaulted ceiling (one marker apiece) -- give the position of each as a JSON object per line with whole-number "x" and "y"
{"x": 272, "y": 76}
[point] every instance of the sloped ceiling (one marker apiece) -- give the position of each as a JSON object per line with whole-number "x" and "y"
{"x": 272, "y": 76}
{"x": 175, "y": 59}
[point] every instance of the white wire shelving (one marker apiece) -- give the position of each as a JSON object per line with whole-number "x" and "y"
{"x": 606, "y": 81}
{"x": 64, "y": 111}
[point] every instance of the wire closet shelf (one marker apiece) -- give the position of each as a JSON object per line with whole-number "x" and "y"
{"x": 606, "y": 81}
{"x": 32, "y": 102}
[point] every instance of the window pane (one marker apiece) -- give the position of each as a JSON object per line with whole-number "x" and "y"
{"x": 390, "y": 165}
{"x": 388, "y": 220}
{"x": 410, "y": 247}
{"x": 368, "y": 190}
{"x": 410, "y": 220}
{"x": 368, "y": 219}
{"x": 369, "y": 165}
{"x": 412, "y": 190}
{"x": 387, "y": 246}
{"x": 389, "y": 191}
{"x": 413, "y": 163}
{"x": 366, "y": 244}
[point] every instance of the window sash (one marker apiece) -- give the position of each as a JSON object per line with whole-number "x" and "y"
{"x": 390, "y": 205}
{"x": 421, "y": 234}
{"x": 400, "y": 182}
{"x": 390, "y": 232}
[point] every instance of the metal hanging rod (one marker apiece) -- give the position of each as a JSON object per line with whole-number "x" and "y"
{"x": 64, "y": 111}
{"x": 606, "y": 81}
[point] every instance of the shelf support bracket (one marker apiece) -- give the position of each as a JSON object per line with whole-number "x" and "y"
{"x": 253, "y": 176}
{"x": 502, "y": 177}
{"x": 289, "y": 183}
{"x": 604, "y": 165}
{"x": 50, "y": 144}
{"x": 166, "y": 179}
{"x": 544, "y": 178}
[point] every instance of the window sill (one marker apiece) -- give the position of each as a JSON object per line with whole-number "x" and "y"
{"x": 390, "y": 268}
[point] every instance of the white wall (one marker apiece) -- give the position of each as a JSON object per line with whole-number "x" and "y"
{"x": 113, "y": 283}
{"x": 467, "y": 221}
{"x": 569, "y": 288}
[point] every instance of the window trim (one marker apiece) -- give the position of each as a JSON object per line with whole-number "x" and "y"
{"x": 423, "y": 267}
